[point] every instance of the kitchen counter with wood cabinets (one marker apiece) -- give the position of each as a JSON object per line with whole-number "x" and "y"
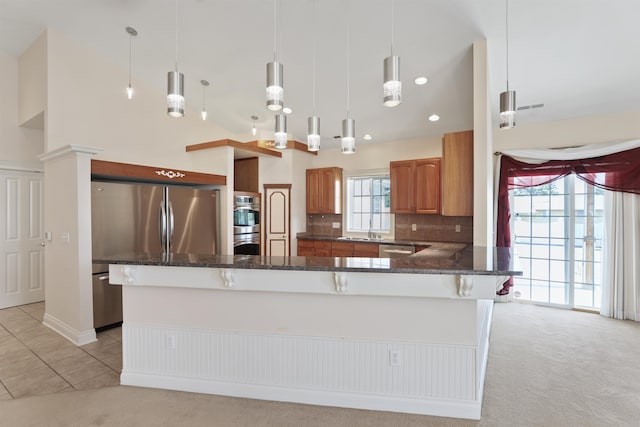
{"x": 365, "y": 247}
{"x": 293, "y": 328}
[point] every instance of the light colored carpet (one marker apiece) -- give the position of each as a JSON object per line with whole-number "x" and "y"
{"x": 547, "y": 367}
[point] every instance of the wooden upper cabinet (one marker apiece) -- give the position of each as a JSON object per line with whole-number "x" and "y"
{"x": 401, "y": 175}
{"x": 245, "y": 174}
{"x": 415, "y": 186}
{"x": 313, "y": 191}
{"x": 427, "y": 173}
{"x": 324, "y": 191}
{"x": 457, "y": 174}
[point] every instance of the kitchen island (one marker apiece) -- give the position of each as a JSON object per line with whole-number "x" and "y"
{"x": 406, "y": 335}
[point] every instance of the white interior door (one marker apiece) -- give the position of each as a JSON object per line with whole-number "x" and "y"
{"x": 277, "y": 229}
{"x": 21, "y": 236}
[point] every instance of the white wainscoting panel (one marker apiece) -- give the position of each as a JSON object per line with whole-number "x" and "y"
{"x": 428, "y": 378}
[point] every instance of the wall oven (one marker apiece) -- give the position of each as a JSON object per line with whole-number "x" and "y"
{"x": 246, "y": 223}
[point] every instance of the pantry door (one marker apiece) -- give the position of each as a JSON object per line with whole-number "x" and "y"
{"x": 277, "y": 227}
{"x": 21, "y": 238}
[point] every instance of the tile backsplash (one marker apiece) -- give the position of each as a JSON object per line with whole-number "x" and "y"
{"x": 322, "y": 225}
{"x": 435, "y": 228}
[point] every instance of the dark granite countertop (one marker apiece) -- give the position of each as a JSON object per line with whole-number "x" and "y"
{"x": 472, "y": 260}
{"x": 455, "y": 246}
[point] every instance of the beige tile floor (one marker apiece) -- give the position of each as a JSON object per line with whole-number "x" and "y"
{"x": 36, "y": 360}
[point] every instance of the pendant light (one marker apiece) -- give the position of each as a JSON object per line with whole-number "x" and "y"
{"x": 348, "y": 125}
{"x": 508, "y": 98}
{"x": 132, "y": 33}
{"x": 313, "y": 122}
{"x": 275, "y": 88}
{"x": 253, "y": 128}
{"x": 280, "y": 137}
{"x": 204, "y": 84}
{"x": 392, "y": 86}
{"x": 175, "y": 84}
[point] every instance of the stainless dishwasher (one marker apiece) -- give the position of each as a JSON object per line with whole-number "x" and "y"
{"x": 395, "y": 251}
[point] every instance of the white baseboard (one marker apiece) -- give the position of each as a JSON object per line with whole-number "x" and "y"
{"x": 436, "y": 407}
{"x": 77, "y": 337}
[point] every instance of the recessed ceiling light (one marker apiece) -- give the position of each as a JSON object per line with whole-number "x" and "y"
{"x": 287, "y": 110}
{"x": 434, "y": 117}
{"x": 421, "y": 80}
{"x": 367, "y": 137}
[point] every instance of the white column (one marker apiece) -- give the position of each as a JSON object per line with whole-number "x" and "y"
{"x": 482, "y": 149}
{"x": 67, "y": 215}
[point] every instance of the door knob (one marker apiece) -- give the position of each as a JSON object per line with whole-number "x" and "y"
{"x": 42, "y": 244}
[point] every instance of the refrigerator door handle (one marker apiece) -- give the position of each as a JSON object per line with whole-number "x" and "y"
{"x": 162, "y": 225}
{"x": 171, "y": 223}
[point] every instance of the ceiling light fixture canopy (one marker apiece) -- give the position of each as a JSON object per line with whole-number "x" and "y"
{"x": 204, "y": 84}
{"x": 280, "y": 136}
{"x": 132, "y": 33}
{"x": 175, "y": 84}
{"x": 392, "y": 86}
{"x": 275, "y": 71}
{"x": 507, "y": 98}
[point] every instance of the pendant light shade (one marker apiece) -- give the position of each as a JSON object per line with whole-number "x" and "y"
{"x": 275, "y": 91}
{"x": 508, "y": 109}
{"x": 175, "y": 94}
{"x": 280, "y": 137}
{"x": 253, "y": 128}
{"x": 203, "y": 113}
{"x": 348, "y": 136}
{"x": 392, "y": 85}
{"x": 313, "y": 133}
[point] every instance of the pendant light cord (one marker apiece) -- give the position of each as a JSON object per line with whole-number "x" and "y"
{"x": 176, "y": 35}
{"x": 392, "y": 27}
{"x": 348, "y": 56}
{"x": 130, "y": 37}
{"x": 313, "y": 60}
{"x": 275, "y": 28}
{"x": 507, "y": 37}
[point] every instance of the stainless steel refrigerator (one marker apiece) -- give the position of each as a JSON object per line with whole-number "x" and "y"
{"x": 133, "y": 218}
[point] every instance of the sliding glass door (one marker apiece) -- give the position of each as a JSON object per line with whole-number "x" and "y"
{"x": 557, "y": 234}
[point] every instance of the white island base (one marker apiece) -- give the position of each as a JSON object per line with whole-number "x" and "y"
{"x": 414, "y": 343}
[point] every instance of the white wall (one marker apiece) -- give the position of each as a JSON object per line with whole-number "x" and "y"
{"x": 32, "y": 83}
{"x": 376, "y": 156}
{"x": 18, "y": 146}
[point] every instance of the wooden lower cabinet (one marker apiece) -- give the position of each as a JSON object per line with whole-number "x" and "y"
{"x": 365, "y": 250}
{"x": 322, "y": 247}
{"x": 332, "y": 248}
{"x": 341, "y": 249}
{"x": 306, "y": 247}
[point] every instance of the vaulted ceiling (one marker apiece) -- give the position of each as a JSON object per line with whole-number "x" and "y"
{"x": 577, "y": 57}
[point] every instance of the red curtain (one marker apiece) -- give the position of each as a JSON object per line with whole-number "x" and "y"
{"x": 616, "y": 172}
